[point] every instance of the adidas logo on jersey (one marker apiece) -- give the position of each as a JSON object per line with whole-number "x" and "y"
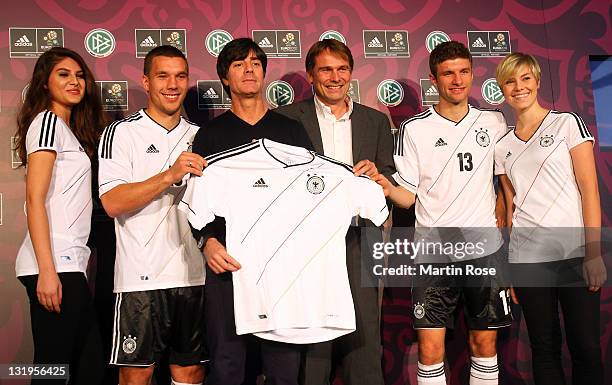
{"x": 152, "y": 150}
{"x": 260, "y": 183}
{"x": 265, "y": 43}
{"x": 508, "y": 155}
{"x": 375, "y": 43}
{"x": 440, "y": 143}
{"x": 478, "y": 43}
{"x": 23, "y": 42}
{"x": 148, "y": 42}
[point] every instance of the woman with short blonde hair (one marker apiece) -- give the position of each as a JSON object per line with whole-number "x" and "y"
{"x": 547, "y": 172}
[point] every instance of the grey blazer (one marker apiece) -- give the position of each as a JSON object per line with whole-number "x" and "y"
{"x": 371, "y": 133}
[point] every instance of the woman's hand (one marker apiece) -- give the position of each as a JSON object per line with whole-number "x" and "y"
{"x": 594, "y": 272}
{"x": 49, "y": 290}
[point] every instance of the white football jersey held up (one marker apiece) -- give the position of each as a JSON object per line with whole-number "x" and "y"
{"x": 287, "y": 211}
{"x": 547, "y": 195}
{"x": 449, "y": 167}
{"x": 155, "y": 248}
{"x": 68, "y": 202}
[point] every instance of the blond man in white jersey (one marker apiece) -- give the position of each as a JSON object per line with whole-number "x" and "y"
{"x": 444, "y": 158}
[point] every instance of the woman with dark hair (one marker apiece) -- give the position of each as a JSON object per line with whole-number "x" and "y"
{"x": 58, "y": 128}
{"x": 547, "y": 172}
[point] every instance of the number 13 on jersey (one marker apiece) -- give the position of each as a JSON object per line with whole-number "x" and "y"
{"x": 465, "y": 161}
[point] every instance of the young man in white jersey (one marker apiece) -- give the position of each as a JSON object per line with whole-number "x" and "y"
{"x": 444, "y": 158}
{"x": 159, "y": 272}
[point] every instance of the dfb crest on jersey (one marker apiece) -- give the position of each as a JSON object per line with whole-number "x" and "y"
{"x": 419, "y": 311}
{"x": 129, "y": 344}
{"x": 315, "y": 184}
{"x": 546, "y": 140}
{"x": 482, "y": 137}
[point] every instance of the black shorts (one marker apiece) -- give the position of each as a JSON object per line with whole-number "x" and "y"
{"x": 146, "y": 323}
{"x": 486, "y": 298}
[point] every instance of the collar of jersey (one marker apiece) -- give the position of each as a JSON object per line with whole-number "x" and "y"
{"x": 270, "y": 146}
{"x": 164, "y": 129}
{"x": 442, "y": 118}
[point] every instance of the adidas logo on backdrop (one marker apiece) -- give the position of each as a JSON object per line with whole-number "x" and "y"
{"x": 265, "y": 43}
{"x": 23, "y": 42}
{"x": 375, "y": 43}
{"x": 478, "y": 43}
{"x": 432, "y": 91}
{"x": 148, "y": 42}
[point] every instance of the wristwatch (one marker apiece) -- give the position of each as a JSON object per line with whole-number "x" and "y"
{"x": 202, "y": 241}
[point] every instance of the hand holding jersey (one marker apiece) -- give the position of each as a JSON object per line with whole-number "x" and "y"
{"x": 365, "y": 167}
{"x": 186, "y": 163}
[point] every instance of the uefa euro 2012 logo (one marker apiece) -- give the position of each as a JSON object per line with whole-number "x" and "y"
{"x": 115, "y": 91}
{"x": 174, "y": 38}
{"x": 500, "y": 40}
{"x": 398, "y": 39}
{"x": 289, "y": 39}
{"x": 51, "y": 38}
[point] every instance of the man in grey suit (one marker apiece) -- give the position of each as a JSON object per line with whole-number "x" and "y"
{"x": 348, "y": 132}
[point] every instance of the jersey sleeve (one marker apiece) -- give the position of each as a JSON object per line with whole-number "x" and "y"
{"x": 369, "y": 200}
{"x": 115, "y": 159}
{"x": 577, "y": 131}
{"x": 203, "y": 199}
{"x": 406, "y": 162}
{"x": 500, "y": 164}
{"x": 45, "y": 133}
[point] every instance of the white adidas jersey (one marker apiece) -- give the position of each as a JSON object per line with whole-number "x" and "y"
{"x": 287, "y": 211}
{"x": 155, "y": 248}
{"x": 68, "y": 202}
{"x": 449, "y": 167}
{"x": 547, "y": 196}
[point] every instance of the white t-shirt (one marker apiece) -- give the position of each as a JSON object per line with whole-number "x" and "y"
{"x": 449, "y": 167}
{"x": 547, "y": 220}
{"x": 155, "y": 248}
{"x": 68, "y": 202}
{"x": 287, "y": 211}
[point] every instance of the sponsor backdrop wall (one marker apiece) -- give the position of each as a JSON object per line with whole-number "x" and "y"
{"x": 390, "y": 40}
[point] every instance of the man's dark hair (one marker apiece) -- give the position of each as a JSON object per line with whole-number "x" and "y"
{"x": 162, "y": 50}
{"x": 447, "y": 51}
{"x": 332, "y": 45}
{"x": 235, "y": 50}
